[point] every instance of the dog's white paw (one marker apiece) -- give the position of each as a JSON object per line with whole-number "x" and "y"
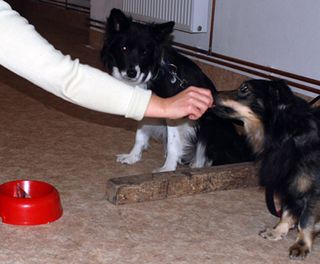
{"x": 128, "y": 158}
{"x": 194, "y": 165}
{"x": 163, "y": 169}
{"x": 272, "y": 234}
{"x": 158, "y": 170}
{"x": 200, "y": 164}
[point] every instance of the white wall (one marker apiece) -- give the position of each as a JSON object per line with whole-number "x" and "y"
{"x": 283, "y": 34}
{"x": 100, "y": 9}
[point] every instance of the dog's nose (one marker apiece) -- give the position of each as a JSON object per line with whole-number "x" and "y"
{"x": 131, "y": 73}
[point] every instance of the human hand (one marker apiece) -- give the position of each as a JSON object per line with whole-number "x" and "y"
{"x": 191, "y": 102}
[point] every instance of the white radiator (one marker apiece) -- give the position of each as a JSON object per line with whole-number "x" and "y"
{"x": 189, "y": 15}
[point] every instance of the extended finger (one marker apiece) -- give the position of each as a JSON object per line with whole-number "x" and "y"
{"x": 197, "y": 108}
{"x": 205, "y": 91}
{"x": 201, "y": 94}
{"x": 195, "y": 114}
{"x": 201, "y": 99}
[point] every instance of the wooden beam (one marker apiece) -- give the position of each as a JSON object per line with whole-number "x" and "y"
{"x": 157, "y": 186}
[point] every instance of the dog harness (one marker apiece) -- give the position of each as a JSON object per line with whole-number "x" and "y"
{"x": 172, "y": 70}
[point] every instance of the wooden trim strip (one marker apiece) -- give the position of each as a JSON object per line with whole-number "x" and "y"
{"x": 97, "y": 21}
{"x": 67, "y": 5}
{"x": 93, "y": 23}
{"x": 264, "y": 68}
{"x": 251, "y": 64}
{"x": 248, "y": 70}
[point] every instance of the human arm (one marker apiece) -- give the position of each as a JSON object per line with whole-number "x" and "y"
{"x": 25, "y": 52}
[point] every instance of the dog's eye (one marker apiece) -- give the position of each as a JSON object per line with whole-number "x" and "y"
{"x": 244, "y": 90}
{"x": 144, "y": 52}
{"x": 124, "y": 48}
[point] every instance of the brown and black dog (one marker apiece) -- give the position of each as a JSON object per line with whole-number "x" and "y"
{"x": 284, "y": 132}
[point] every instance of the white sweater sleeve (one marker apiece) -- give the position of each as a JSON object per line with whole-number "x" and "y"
{"x": 25, "y": 52}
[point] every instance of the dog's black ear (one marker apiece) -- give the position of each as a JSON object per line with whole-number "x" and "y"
{"x": 162, "y": 31}
{"x": 117, "y": 21}
{"x": 282, "y": 91}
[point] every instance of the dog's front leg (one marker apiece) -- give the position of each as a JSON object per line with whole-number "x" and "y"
{"x": 143, "y": 135}
{"x": 306, "y": 230}
{"x": 281, "y": 229}
{"x": 174, "y": 149}
{"x": 200, "y": 160}
{"x": 302, "y": 247}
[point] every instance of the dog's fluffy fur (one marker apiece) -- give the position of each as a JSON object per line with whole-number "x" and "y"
{"x": 285, "y": 133}
{"x": 140, "y": 54}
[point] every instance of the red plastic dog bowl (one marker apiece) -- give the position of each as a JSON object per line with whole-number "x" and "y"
{"x": 25, "y": 202}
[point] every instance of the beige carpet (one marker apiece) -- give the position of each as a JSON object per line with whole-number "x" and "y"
{"x": 45, "y": 138}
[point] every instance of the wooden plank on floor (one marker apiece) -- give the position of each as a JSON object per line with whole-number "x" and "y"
{"x": 157, "y": 186}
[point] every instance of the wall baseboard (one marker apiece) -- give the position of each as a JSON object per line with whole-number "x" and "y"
{"x": 302, "y": 83}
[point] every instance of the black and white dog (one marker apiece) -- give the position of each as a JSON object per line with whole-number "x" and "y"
{"x": 141, "y": 54}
